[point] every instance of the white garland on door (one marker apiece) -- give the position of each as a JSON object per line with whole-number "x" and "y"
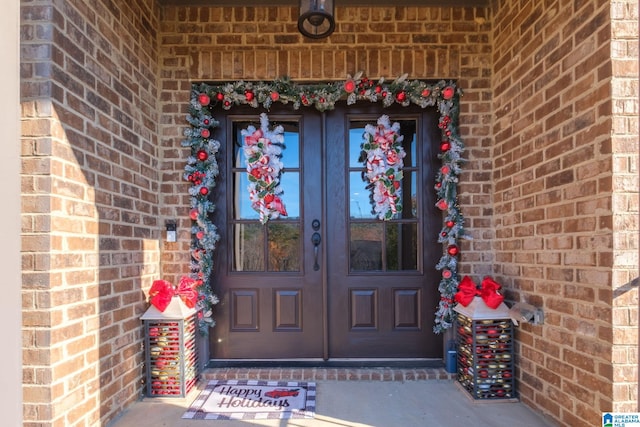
{"x": 263, "y": 151}
{"x": 383, "y": 155}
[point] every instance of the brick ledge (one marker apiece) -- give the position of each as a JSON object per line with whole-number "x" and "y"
{"x": 327, "y": 374}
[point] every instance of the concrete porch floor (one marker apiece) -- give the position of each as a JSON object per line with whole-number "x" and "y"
{"x": 348, "y": 397}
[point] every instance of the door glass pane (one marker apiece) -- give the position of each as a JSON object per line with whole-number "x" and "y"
{"x": 402, "y": 246}
{"x": 409, "y": 195}
{"x": 238, "y": 143}
{"x": 284, "y": 247}
{"x": 291, "y": 152}
{"x": 290, "y": 183}
{"x": 408, "y": 131}
{"x": 366, "y": 246}
{"x": 359, "y": 197}
{"x": 356, "y": 135}
{"x": 248, "y": 248}
{"x": 241, "y": 204}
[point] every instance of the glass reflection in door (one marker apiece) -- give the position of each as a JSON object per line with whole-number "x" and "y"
{"x": 376, "y": 245}
{"x": 275, "y": 246}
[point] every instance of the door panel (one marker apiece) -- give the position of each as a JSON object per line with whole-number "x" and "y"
{"x": 271, "y": 297}
{"x": 381, "y": 280}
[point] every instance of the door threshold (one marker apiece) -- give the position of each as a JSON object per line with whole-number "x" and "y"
{"x": 331, "y": 363}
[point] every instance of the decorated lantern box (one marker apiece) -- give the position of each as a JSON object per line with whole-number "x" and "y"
{"x": 484, "y": 337}
{"x": 170, "y": 349}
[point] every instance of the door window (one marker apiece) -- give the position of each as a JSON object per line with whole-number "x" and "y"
{"x": 275, "y": 246}
{"x": 376, "y": 245}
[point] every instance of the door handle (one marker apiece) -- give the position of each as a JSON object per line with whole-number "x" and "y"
{"x": 315, "y": 239}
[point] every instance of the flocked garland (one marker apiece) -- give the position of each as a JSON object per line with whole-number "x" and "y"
{"x": 201, "y": 171}
{"x": 201, "y": 168}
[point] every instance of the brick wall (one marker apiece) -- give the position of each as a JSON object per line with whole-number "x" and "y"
{"x": 624, "y": 148}
{"x": 90, "y": 200}
{"x": 261, "y": 43}
{"x": 565, "y": 199}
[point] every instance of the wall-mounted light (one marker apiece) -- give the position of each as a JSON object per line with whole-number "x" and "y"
{"x": 316, "y": 18}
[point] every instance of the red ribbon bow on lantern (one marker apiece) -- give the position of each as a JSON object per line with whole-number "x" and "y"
{"x": 488, "y": 291}
{"x": 162, "y": 291}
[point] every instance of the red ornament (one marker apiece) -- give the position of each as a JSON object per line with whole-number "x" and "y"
{"x": 219, "y": 96}
{"x": 445, "y": 170}
{"x": 193, "y": 214}
{"x": 445, "y": 146}
{"x": 269, "y": 198}
{"x": 200, "y": 235}
{"x": 453, "y": 250}
{"x": 442, "y": 204}
{"x": 206, "y": 122}
{"x": 204, "y": 99}
{"x": 438, "y": 185}
{"x": 443, "y": 234}
{"x": 349, "y": 86}
{"x": 384, "y": 94}
{"x": 446, "y": 274}
{"x": 205, "y": 133}
{"x": 274, "y": 96}
{"x": 378, "y": 89}
{"x": 447, "y": 92}
{"x": 426, "y": 92}
{"x": 450, "y": 224}
{"x": 202, "y": 155}
{"x": 401, "y": 96}
{"x": 248, "y": 95}
{"x": 227, "y": 103}
{"x": 204, "y": 191}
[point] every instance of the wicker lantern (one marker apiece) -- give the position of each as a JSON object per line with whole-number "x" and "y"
{"x": 484, "y": 337}
{"x": 170, "y": 350}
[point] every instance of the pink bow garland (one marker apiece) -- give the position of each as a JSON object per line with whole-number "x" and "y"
{"x": 162, "y": 292}
{"x": 467, "y": 290}
{"x": 253, "y": 138}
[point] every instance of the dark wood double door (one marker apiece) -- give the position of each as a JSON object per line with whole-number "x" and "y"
{"x": 329, "y": 280}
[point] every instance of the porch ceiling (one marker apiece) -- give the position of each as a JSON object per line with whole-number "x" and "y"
{"x": 438, "y": 3}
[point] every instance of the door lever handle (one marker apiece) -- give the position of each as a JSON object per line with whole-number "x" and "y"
{"x": 315, "y": 239}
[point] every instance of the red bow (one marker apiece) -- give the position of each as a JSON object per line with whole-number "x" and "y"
{"x": 488, "y": 291}
{"x": 162, "y": 291}
{"x": 187, "y": 291}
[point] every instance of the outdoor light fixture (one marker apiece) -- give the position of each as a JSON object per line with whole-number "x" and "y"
{"x": 316, "y": 18}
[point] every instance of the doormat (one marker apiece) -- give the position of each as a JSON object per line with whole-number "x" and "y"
{"x": 253, "y": 400}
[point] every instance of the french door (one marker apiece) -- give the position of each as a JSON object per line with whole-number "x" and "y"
{"x": 329, "y": 280}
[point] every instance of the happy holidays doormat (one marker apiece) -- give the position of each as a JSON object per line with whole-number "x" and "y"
{"x": 253, "y": 399}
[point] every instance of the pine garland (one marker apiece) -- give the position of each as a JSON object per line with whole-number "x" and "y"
{"x": 202, "y": 168}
